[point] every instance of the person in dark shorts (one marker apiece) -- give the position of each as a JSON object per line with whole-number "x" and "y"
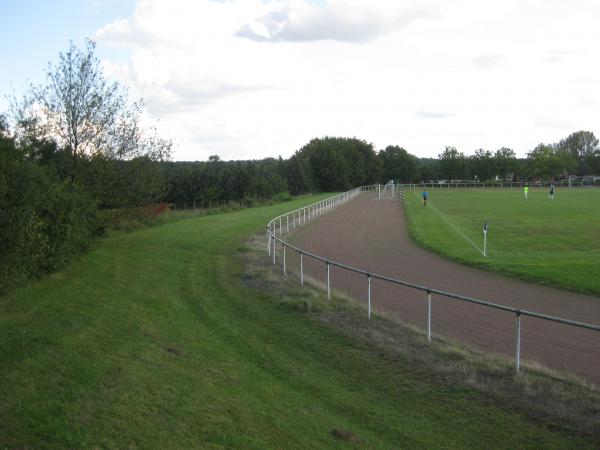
{"x": 551, "y": 193}
{"x": 425, "y": 197}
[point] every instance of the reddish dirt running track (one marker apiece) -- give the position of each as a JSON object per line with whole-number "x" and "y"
{"x": 371, "y": 234}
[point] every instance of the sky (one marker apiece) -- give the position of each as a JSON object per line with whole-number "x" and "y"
{"x": 248, "y": 79}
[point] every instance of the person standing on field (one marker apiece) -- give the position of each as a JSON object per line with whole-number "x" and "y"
{"x": 551, "y": 193}
{"x": 425, "y": 197}
{"x": 526, "y": 191}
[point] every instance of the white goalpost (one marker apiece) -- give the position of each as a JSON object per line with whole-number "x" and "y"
{"x": 389, "y": 190}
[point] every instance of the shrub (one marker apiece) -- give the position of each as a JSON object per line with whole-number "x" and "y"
{"x": 44, "y": 221}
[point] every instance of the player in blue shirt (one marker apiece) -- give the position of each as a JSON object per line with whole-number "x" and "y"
{"x": 425, "y": 197}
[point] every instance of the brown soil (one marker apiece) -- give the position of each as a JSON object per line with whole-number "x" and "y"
{"x": 372, "y": 235}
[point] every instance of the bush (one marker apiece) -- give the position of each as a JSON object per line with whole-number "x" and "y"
{"x": 44, "y": 221}
{"x": 130, "y": 219}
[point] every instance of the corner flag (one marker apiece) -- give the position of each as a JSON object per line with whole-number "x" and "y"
{"x": 484, "y": 238}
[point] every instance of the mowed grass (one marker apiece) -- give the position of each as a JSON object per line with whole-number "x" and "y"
{"x": 554, "y": 242}
{"x": 156, "y": 340}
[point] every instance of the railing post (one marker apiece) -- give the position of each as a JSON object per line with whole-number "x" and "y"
{"x": 518, "y": 342}
{"x": 280, "y": 231}
{"x": 269, "y": 240}
{"x": 274, "y": 250}
{"x": 287, "y": 223}
{"x": 301, "y": 271}
{"x": 429, "y": 315}
{"x": 369, "y": 293}
{"x": 284, "y": 259}
{"x": 328, "y": 283}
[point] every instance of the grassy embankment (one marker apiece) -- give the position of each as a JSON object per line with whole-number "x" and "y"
{"x": 554, "y": 242}
{"x": 155, "y": 340}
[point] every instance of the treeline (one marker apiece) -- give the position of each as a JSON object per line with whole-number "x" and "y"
{"x": 337, "y": 164}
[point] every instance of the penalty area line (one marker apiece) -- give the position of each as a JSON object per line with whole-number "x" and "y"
{"x": 455, "y": 228}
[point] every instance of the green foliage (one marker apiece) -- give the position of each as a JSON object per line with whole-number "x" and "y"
{"x": 224, "y": 180}
{"x": 122, "y": 184}
{"x": 549, "y": 161}
{"x": 583, "y": 147}
{"x": 505, "y": 162}
{"x": 338, "y": 163}
{"x": 452, "y": 164}
{"x": 44, "y": 221}
{"x": 398, "y": 164}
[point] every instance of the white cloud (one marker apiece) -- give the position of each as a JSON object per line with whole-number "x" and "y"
{"x": 250, "y": 79}
{"x": 344, "y": 21}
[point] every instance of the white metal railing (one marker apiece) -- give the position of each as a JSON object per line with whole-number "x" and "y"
{"x": 497, "y": 184}
{"x": 302, "y": 215}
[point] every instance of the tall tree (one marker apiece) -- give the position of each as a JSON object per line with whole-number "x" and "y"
{"x": 482, "y": 164}
{"x": 84, "y": 113}
{"x": 505, "y": 161}
{"x": 583, "y": 147}
{"x": 548, "y": 162}
{"x": 398, "y": 164}
{"x": 452, "y": 164}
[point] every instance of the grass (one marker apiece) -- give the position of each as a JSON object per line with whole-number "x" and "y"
{"x": 158, "y": 339}
{"x": 554, "y": 242}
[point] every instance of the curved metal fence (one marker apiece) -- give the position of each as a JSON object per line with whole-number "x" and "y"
{"x": 288, "y": 222}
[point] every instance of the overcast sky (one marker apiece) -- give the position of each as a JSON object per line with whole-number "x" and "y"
{"x": 249, "y": 78}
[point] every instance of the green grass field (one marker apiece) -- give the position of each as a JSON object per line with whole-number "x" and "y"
{"x": 555, "y": 242}
{"x": 155, "y": 340}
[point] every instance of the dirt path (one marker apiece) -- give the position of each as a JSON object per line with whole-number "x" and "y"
{"x": 372, "y": 235}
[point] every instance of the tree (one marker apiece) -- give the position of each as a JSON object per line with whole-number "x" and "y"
{"x": 84, "y": 113}
{"x": 482, "y": 164}
{"x": 452, "y": 164}
{"x": 546, "y": 162}
{"x": 583, "y": 147}
{"x": 398, "y": 164}
{"x": 505, "y": 161}
{"x": 339, "y": 163}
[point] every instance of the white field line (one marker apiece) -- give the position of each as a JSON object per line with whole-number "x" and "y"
{"x": 480, "y": 250}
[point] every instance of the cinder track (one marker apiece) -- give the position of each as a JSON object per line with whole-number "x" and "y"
{"x": 372, "y": 235}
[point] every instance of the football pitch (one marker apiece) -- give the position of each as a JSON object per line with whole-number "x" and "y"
{"x": 554, "y": 242}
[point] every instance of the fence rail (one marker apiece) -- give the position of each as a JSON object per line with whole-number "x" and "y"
{"x": 301, "y": 216}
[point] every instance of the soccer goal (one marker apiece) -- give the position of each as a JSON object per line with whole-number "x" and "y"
{"x": 389, "y": 191}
